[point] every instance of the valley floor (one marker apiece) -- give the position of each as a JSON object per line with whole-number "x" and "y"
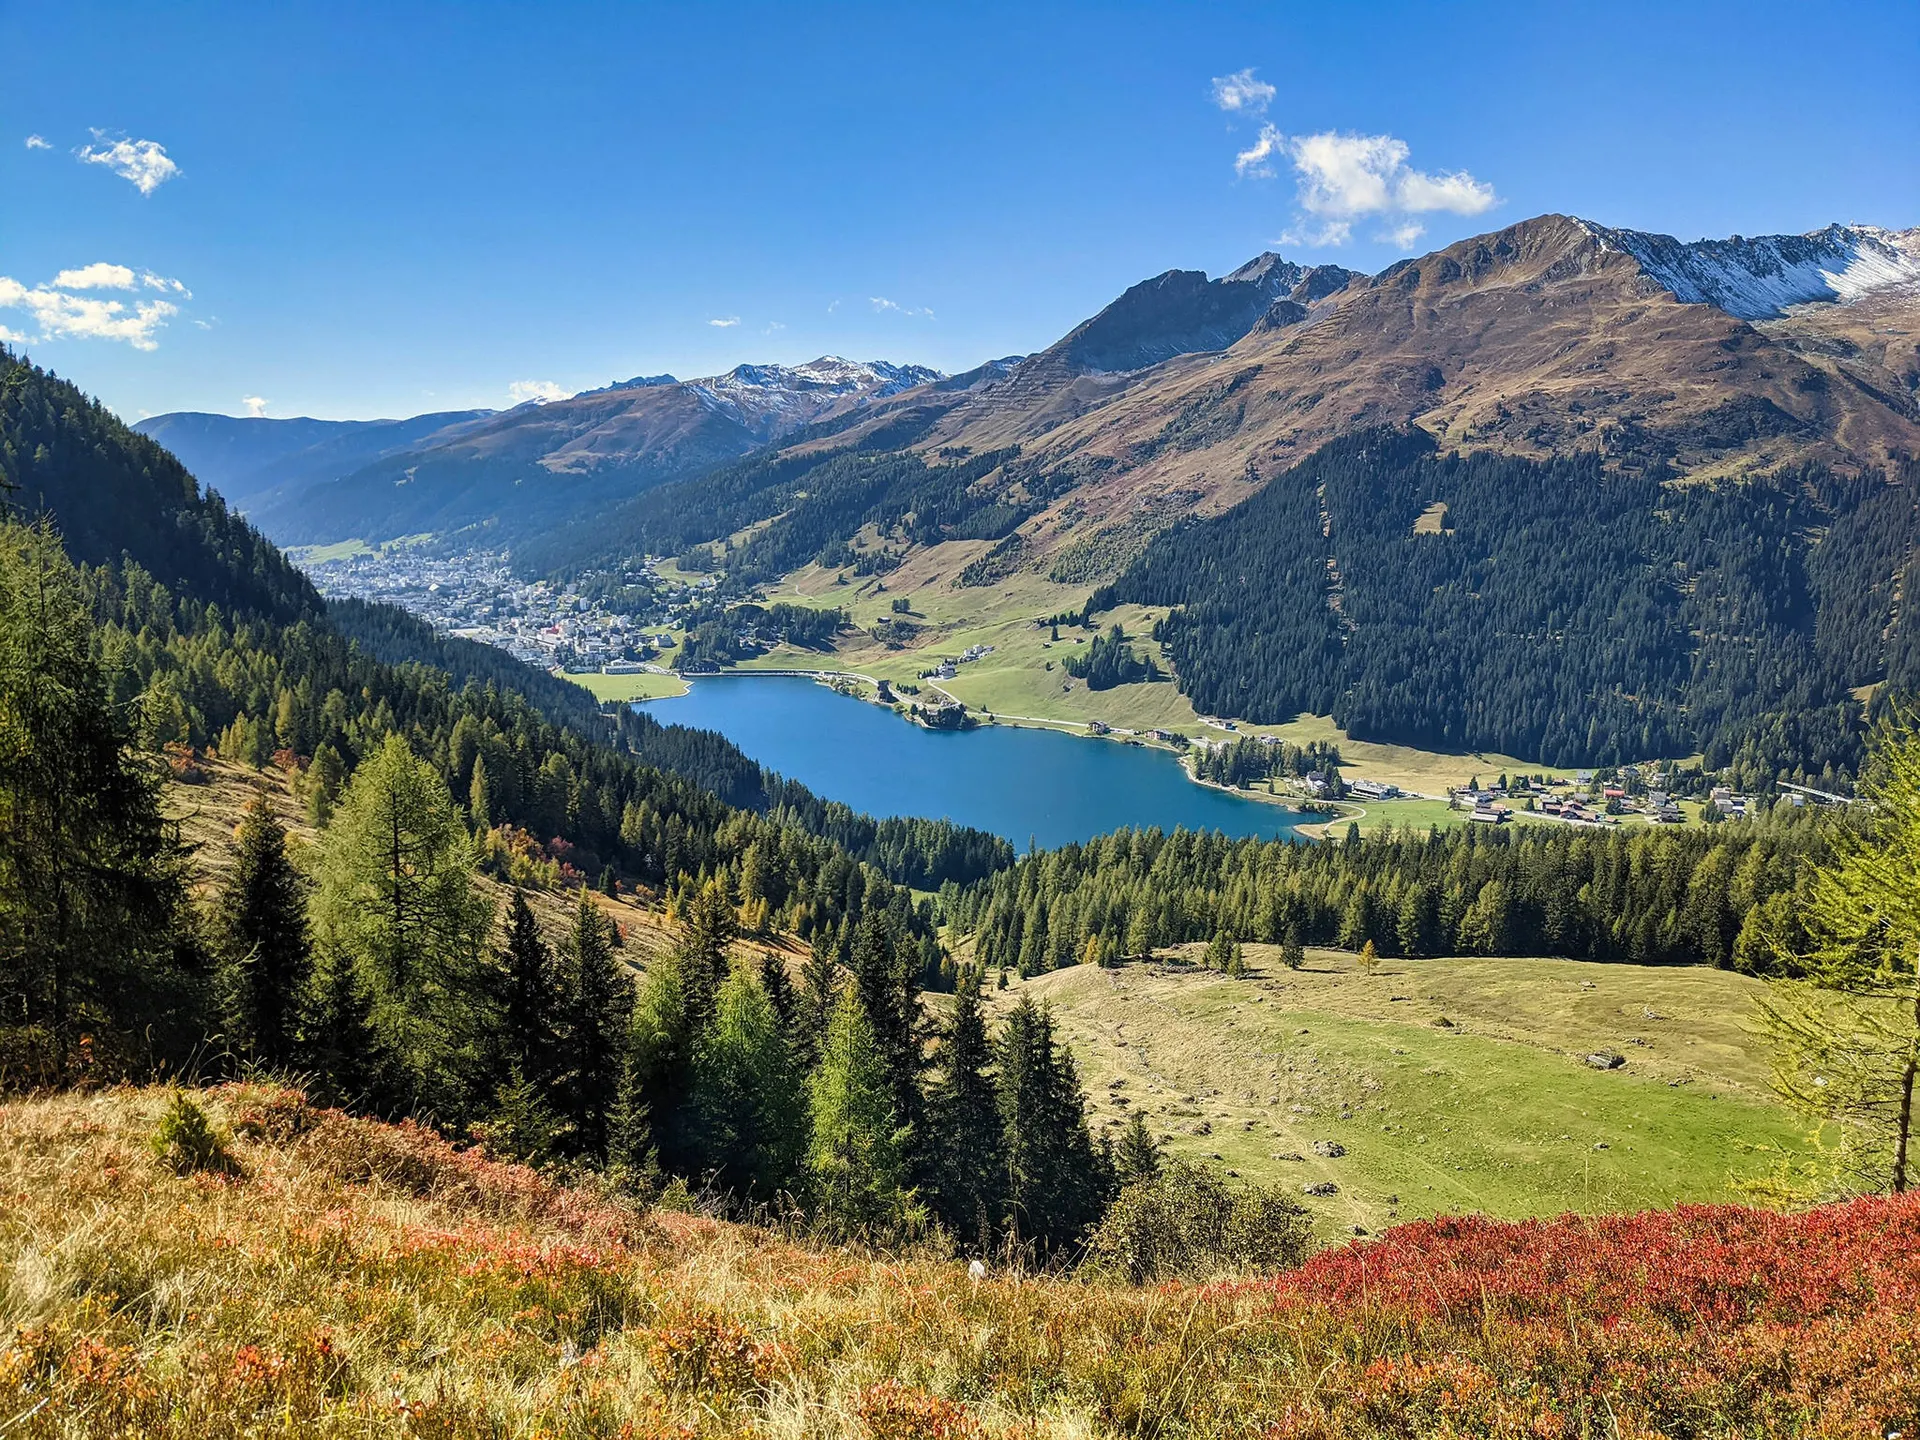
{"x": 1448, "y": 1085}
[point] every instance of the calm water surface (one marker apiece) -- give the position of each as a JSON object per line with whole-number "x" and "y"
{"x": 1023, "y": 784}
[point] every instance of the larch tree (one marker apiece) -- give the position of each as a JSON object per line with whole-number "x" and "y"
{"x": 748, "y": 1096}
{"x": 856, "y": 1149}
{"x": 395, "y": 899}
{"x": 1847, "y": 1032}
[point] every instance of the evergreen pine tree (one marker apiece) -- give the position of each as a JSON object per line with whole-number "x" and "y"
{"x": 1054, "y": 1185}
{"x": 529, "y": 998}
{"x": 778, "y": 986}
{"x": 261, "y": 925}
{"x": 883, "y": 982}
{"x": 1293, "y": 954}
{"x": 819, "y": 993}
{"x": 347, "y": 1052}
{"x": 1139, "y": 1155}
{"x": 90, "y": 871}
{"x": 963, "y": 1124}
{"x": 597, "y": 1009}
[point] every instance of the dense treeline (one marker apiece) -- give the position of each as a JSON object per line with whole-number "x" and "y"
{"x": 1111, "y": 661}
{"x": 1240, "y": 762}
{"x": 1709, "y": 896}
{"x": 923, "y": 854}
{"x": 1563, "y": 611}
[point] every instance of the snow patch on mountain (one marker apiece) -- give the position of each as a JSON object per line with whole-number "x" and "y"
{"x": 770, "y": 400}
{"x": 1758, "y": 277}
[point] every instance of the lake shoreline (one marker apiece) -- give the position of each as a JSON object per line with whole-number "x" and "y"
{"x": 1017, "y": 788}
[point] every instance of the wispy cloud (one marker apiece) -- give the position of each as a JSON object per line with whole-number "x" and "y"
{"x": 144, "y": 163}
{"x": 724, "y": 322}
{"x": 60, "y": 314}
{"x": 64, "y": 308}
{"x": 539, "y": 391}
{"x": 882, "y": 305}
{"x": 256, "y": 407}
{"x": 773, "y": 326}
{"x": 1240, "y": 93}
{"x": 35, "y": 142}
{"x": 101, "y": 275}
{"x": 1342, "y": 178}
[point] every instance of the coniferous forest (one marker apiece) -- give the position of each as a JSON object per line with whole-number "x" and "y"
{"x": 1557, "y": 610}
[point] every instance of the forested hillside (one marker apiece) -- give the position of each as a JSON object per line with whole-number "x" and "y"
{"x": 373, "y": 962}
{"x": 1556, "y": 610}
{"x": 116, "y": 493}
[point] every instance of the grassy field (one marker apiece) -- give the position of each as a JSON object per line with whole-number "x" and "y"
{"x": 644, "y": 686}
{"x": 305, "y": 555}
{"x": 1495, "y": 1111}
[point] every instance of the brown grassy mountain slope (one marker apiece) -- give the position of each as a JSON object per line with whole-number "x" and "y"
{"x": 1546, "y": 338}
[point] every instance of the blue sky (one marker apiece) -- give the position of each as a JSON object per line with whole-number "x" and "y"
{"x": 351, "y": 211}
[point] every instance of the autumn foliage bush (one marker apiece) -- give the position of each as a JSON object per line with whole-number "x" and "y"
{"x": 352, "y": 1278}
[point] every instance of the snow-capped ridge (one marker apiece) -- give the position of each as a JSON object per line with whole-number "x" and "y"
{"x": 1759, "y": 277}
{"x": 773, "y": 399}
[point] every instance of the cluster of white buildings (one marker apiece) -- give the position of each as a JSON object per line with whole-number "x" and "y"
{"x": 475, "y": 595}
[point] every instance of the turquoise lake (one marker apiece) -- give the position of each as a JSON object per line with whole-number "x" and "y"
{"x": 1037, "y": 785}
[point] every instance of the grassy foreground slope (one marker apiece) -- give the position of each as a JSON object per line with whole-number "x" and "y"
{"x": 1450, "y": 1085}
{"x": 336, "y": 1277}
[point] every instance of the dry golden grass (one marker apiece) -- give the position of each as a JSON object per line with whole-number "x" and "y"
{"x": 345, "y": 1278}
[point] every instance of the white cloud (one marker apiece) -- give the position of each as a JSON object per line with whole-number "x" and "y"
{"x": 11, "y": 337}
{"x": 161, "y": 282}
{"x": 97, "y": 276}
{"x": 1240, "y": 92}
{"x": 538, "y": 391}
{"x": 62, "y": 315}
{"x": 34, "y": 142}
{"x": 724, "y": 322}
{"x": 1343, "y": 177}
{"x": 881, "y": 305}
{"x": 833, "y": 306}
{"x": 1317, "y": 237}
{"x": 1257, "y": 160}
{"x": 256, "y": 407}
{"x": 772, "y": 326}
{"x": 143, "y": 162}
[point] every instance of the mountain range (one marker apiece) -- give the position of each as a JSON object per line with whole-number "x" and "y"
{"x": 1563, "y": 490}
{"x": 525, "y": 468}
